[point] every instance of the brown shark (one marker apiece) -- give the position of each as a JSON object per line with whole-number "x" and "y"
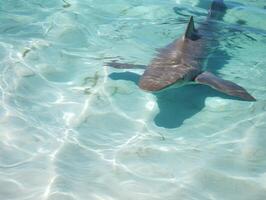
{"x": 181, "y": 61}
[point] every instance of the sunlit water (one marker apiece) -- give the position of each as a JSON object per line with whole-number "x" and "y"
{"x": 73, "y": 129}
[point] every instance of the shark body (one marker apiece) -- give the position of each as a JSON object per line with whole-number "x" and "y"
{"x": 182, "y": 61}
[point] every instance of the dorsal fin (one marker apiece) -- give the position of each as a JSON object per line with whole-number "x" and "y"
{"x": 190, "y": 31}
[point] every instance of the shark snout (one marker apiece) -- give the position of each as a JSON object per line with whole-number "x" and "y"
{"x": 153, "y": 84}
{"x": 150, "y": 84}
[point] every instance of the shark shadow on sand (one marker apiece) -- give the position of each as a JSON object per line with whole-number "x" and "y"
{"x": 178, "y": 104}
{"x": 175, "y": 104}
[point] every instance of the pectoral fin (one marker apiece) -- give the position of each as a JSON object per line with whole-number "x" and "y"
{"x": 118, "y": 65}
{"x": 224, "y": 86}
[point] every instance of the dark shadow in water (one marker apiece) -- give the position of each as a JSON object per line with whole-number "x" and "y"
{"x": 178, "y": 104}
{"x": 217, "y": 60}
{"x": 127, "y": 76}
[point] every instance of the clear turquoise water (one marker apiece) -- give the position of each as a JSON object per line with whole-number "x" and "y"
{"x": 74, "y": 129}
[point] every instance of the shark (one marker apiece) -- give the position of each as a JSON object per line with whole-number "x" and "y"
{"x": 182, "y": 61}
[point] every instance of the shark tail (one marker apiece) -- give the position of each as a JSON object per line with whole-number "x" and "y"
{"x": 217, "y": 9}
{"x": 224, "y": 86}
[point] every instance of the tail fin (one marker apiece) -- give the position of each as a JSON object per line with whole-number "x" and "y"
{"x": 217, "y": 9}
{"x": 224, "y": 86}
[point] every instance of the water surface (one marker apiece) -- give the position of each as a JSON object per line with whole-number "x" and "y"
{"x": 73, "y": 129}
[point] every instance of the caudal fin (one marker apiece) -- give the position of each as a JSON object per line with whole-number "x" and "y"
{"x": 224, "y": 86}
{"x": 217, "y": 9}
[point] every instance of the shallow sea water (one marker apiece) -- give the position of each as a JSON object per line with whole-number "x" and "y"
{"x": 73, "y": 129}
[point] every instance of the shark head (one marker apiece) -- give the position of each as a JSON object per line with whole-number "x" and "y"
{"x": 162, "y": 77}
{"x": 153, "y": 85}
{"x": 158, "y": 78}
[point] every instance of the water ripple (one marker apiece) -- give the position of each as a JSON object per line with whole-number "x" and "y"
{"x": 71, "y": 128}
